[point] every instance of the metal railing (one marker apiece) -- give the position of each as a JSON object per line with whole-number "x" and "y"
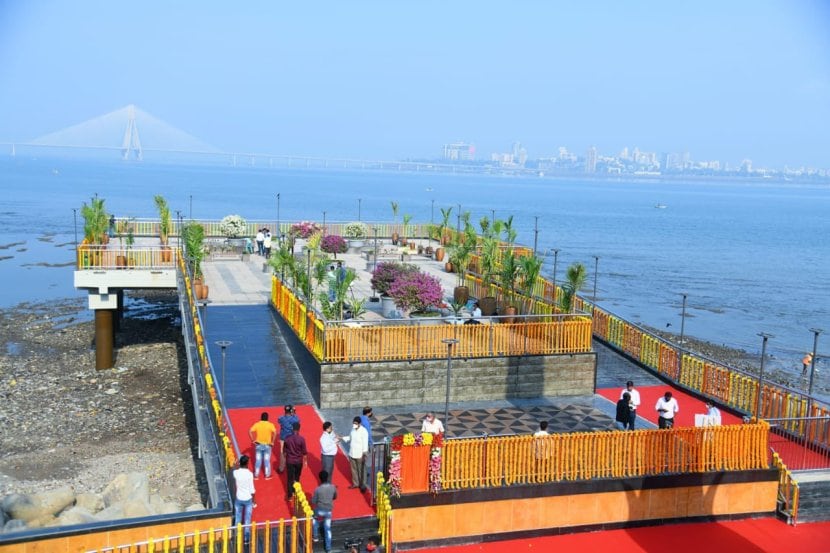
{"x": 804, "y": 442}
{"x": 97, "y": 257}
{"x": 788, "y": 490}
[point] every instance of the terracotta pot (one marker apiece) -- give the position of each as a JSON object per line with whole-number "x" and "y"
{"x": 448, "y": 267}
{"x": 395, "y": 238}
{"x": 510, "y": 313}
{"x": 460, "y": 295}
{"x": 205, "y": 290}
{"x": 439, "y": 254}
{"x": 420, "y": 250}
{"x": 487, "y": 305}
{"x": 197, "y": 289}
{"x": 166, "y": 254}
{"x": 120, "y": 261}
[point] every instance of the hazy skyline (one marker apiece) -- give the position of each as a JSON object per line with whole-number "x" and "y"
{"x": 394, "y": 80}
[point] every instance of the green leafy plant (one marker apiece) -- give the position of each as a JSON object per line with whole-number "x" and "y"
{"x": 194, "y": 238}
{"x": 96, "y": 220}
{"x": 165, "y": 221}
{"x": 575, "y": 278}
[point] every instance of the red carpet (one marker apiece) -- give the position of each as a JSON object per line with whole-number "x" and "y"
{"x": 689, "y": 405}
{"x": 765, "y": 535}
{"x": 270, "y": 494}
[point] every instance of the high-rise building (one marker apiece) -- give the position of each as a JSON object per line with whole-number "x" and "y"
{"x": 459, "y": 151}
{"x": 591, "y": 160}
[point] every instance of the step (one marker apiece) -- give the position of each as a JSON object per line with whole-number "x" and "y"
{"x": 343, "y": 529}
{"x": 809, "y": 515}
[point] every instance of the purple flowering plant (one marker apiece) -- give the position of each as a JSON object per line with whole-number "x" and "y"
{"x": 385, "y": 274}
{"x": 303, "y": 229}
{"x": 416, "y": 291}
{"x": 333, "y": 243}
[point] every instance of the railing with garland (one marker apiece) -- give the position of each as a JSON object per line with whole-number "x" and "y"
{"x": 788, "y": 490}
{"x": 384, "y": 512}
{"x": 394, "y": 340}
{"x": 496, "y": 461}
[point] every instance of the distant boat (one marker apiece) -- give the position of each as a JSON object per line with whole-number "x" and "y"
{"x": 660, "y": 206}
{"x": 429, "y": 189}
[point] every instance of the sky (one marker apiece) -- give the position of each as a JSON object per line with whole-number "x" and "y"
{"x": 398, "y": 79}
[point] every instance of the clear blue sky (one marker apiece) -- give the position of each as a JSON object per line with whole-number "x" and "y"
{"x": 392, "y": 79}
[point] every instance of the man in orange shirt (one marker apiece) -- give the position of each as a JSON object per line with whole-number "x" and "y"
{"x": 263, "y": 433}
{"x": 806, "y": 362}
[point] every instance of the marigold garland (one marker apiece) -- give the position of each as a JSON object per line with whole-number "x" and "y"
{"x": 435, "y": 441}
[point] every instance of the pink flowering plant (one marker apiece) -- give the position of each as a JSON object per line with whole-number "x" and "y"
{"x": 387, "y": 272}
{"x": 303, "y": 229}
{"x": 334, "y": 244}
{"x": 416, "y": 291}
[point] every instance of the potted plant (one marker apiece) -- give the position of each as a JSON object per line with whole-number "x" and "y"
{"x": 529, "y": 269}
{"x": 508, "y": 273}
{"x": 415, "y": 292}
{"x": 164, "y": 227}
{"x": 383, "y": 276}
{"x": 130, "y": 242}
{"x": 459, "y": 255}
{"x": 394, "y": 222}
{"x": 575, "y": 278}
{"x": 96, "y": 222}
{"x": 194, "y": 237}
{"x": 356, "y": 232}
{"x": 333, "y": 244}
{"x": 233, "y": 226}
{"x": 442, "y": 229}
{"x": 490, "y": 251}
{"x": 303, "y": 229}
{"x": 405, "y": 236}
{"x": 121, "y": 229}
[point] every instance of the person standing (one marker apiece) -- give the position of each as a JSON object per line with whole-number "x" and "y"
{"x": 475, "y": 315}
{"x": 624, "y": 412}
{"x": 806, "y": 361}
{"x": 296, "y": 457}
{"x": 266, "y": 244}
{"x": 323, "y": 502}
{"x": 542, "y": 444}
{"x": 432, "y": 424}
{"x": 365, "y": 420}
{"x": 286, "y": 423}
{"x": 328, "y": 448}
{"x": 260, "y": 242}
{"x": 263, "y": 434}
{"x": 341, "y": 273}
{"x": 358, "y": 440}
{"x": 331, "y": 281}
{"x": 713, "y": 413}
{"x": 635, "y": 402}
{"x": 666, "y": 409}
{"x": 243, "y": 503}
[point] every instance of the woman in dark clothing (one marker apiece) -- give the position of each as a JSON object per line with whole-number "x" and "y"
{"x": 624, "y": 412}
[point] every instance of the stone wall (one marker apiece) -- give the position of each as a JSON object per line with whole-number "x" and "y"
{"x": 404, "y": 382}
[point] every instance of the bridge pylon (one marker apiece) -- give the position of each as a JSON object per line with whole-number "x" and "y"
{"x": 131, "y": 143}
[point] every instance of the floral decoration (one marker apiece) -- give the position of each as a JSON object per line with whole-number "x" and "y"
{"x": 416, "y": 291}
{"x": 386, "y": 272}
{"x": 356, "y": 230}
{"x": 435, "y": 441}
{"x": 333, "y": 243}
{"x": 232, "y": 226}
{"x": 303, "y": 229}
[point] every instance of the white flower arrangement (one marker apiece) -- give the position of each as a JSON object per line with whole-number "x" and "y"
{"x": 233, "y": 226}
{"x": 356, "y": 230}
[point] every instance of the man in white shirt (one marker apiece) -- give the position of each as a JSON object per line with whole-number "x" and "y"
{"x": 243, "y": 505}
{"x": 358, "y": 440}
{"x": 432, "y": 424}
{"x": 634, "y": 399}
{"x": 328, "y": 448}
{"x": 260, "y": 242}
{"x": 713, "y": 413}
{"x": 666, "y": 409}
{"x": 542, "y": 445}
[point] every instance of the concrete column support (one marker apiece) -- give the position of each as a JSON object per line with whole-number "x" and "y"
{"x": 103, "y": 338}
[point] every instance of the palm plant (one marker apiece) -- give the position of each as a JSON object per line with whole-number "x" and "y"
{"x": 194, "y": 237}
{"x": 508, "y": 273}
{"x": 164, "y": 218}
{"x": 446, "y": 213}
{"x": 394, "y": 217}
{"x": 284, "y": 262}
{"x": 406, "y": 219}
{"x": 575, "y": 278}
{"x": 529, "y": 268}
{"x": 334, "y": 309}
{"x": 96, "y": 220}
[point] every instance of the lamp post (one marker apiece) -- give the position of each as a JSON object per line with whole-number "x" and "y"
{"x": 458, "y": 220}
{"x": 375, "y": 261}
{"x": 279, "y": 234}
{"x": 75, "y": 218}
{"x": 594, "y": 295}
{"x": 492, "y": 216}
{"x": 555, "y": 259}
{"x": 816, "y": 332}
{"x": 359, "y": 201}
{"x": 765, "y": 337}
{"x": 179, "y": 222}
{"x": 191, "y": 207}
{"x": 535, "y": 233}
{"x": 324, "y": 223}
{"x": 308, "y": 274}
{"x": 224, "y": 345}
{"x": 450, "y": 343}
{"x": 683, "y": 323}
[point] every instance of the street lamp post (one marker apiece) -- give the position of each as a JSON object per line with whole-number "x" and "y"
{"x": 450, "y": 343}
{"x": 765, "y": 337}
{"x": 458, "y": 220}
{"x": 324, "y": 223}
{"x": 308, "y": 274}
{"x": 555, "y": 259}
{"x": 359, "y": 201}
{"x": 683, "y": 322}
{"x": 594, "y": 296}
{"x": 179, "y": 222}
{"x": 224, "y": 345}
{"x": 279, "y": 234}
{"x": 432, "y": 212}
{"x": 191, "y": 207}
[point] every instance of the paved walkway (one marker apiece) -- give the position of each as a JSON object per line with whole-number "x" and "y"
{"x": 260, "y": 372}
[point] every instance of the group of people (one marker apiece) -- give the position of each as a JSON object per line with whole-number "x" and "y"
{"x": 335, "y": 276}
{"x": 263, "y": 242}
{"x": 666, "y": 407}
{"x": 293, "y": 457}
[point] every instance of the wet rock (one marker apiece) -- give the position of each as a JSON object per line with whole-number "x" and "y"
{"x": 127, "y": 487}
{"x": 91, "y": 502}
{"x": 75, "y": 515}
{"x": 14, "y": 525}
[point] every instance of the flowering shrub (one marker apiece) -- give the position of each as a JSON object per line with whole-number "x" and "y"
{"x": 416, "y": 291}
{"x": 333, "y": 243}
{"x": 232, "y": 226}
{"x": 356, "y": 230}
{"x": 435, "y": 441}
{"x": 303, "y": 229}
{"x": 385, "y": 274}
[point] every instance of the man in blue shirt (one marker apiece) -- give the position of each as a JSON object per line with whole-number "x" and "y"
{"x": 286, "y": 423}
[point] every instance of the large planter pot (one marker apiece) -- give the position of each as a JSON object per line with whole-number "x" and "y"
{"x": 510, "y": 313}
{"x": 356, "y": 243}
{"x": 448, "y": 267}
{"x": 488, "y": 306}
{"x": 121, "y": 261}
{"x": 439, "y": 254}
{"x": 395, "y": 238}
{"x": 387, "y": 305}
{"x": 166, "y": 254}
{"x": 460, "y": 295}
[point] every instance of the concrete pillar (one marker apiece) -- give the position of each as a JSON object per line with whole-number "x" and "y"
{"x": 103, "y": 338}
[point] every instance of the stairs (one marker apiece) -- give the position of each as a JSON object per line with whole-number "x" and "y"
{"x": 349, "y": 528}
{"x": 814, "y": 496}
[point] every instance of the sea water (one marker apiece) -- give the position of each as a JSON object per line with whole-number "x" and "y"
{"x": 751, "y": 255}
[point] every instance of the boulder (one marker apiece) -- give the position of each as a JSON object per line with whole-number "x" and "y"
{"x": 42, "y": 522}
{"x": 45, "y": 504}
{"x": 194, "y": 507}
{"x": 132, "y": 486}
{"x": 160, "y": 507}
{"x": 92, "y": 502}
{"x": 14, "y": 525}
{"x": 134, "y": 508}
{"x": 113, "y": 512}
{"x": 75, "y": 515}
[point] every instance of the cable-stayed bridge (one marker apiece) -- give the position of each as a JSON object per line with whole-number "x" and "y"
{"x": 132, "y": 132}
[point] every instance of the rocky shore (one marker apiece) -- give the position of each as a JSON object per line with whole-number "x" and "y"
{"x": 66, "y": 424}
